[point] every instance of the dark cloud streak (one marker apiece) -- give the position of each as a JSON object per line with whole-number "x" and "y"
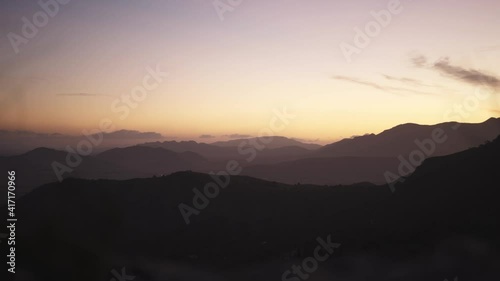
{"x": 471, "y": 76}
{"x": 392, "y": 90}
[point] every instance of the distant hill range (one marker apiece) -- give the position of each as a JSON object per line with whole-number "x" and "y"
{"x": 366, "y": 158}
{"x": 442, "y": 220}
{"x": 276, "y": 149}
{"x": 19, "y": 142}
{"x": 35, "y": 168}
{"x": 400, "y": 140}
{"x": 360, "y": 159}
{"x": 277, "y": 142}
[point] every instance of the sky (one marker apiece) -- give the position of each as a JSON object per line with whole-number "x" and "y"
{"x": 230, "y": 68}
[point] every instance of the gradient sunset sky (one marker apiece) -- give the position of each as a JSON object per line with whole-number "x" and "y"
{"x": 227, "y": 76}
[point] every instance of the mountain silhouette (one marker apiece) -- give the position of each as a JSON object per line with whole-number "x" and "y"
{"x": 35, "y": 168}
{"x": 330, "y": 171}
{"x": 361, "y": 159}
{"x": 117, "y": 163}
{"x": 277, "y": 142}
{"x": 367, "y": 158}
{"x": 442, "y": 220}
{"x": 219, "y": 155}
{"x": 400, "y": 140}
{"x": 153, "y": 160}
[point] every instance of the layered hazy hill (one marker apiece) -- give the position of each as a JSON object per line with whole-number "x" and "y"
{"x": 400, "y": 140}
{"x": 35, "y": 168}
{"x": 366, "y": 158}
{"x": 277, "y": 142}
{"x": 360, "y": 159}
{"x": 277, "y": 149}
{"x": 19, "y": 142}
{"x": 442, "y": 220}
{"x": 153, "y": 161}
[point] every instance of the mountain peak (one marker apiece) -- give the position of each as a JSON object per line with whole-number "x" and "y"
{"x": 42, "y": 151}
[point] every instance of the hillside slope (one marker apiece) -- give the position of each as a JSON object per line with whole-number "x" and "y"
{"x": 444, "y": 219}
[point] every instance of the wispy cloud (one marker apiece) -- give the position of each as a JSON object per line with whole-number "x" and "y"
{"x": 413, "y": 82}
{"x": 471, "y": 76}
{"x": 466, "y": 75}
{"x": 390, "y": 89}
{"x": 83, "y": 95}
{"x": 121, "y": 134}
{"x": 237, "y": 136}
{"x": 206, "y": 137}
{"x": 419, "y": 60}
{"x": 132, "y": 134}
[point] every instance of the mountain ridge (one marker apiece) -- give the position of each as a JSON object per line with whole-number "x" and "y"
{"x": 256, "y": 220}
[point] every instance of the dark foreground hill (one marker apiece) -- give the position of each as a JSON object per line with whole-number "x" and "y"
{"x": 442, "y": 222}
{"x": 331, "y": 171}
